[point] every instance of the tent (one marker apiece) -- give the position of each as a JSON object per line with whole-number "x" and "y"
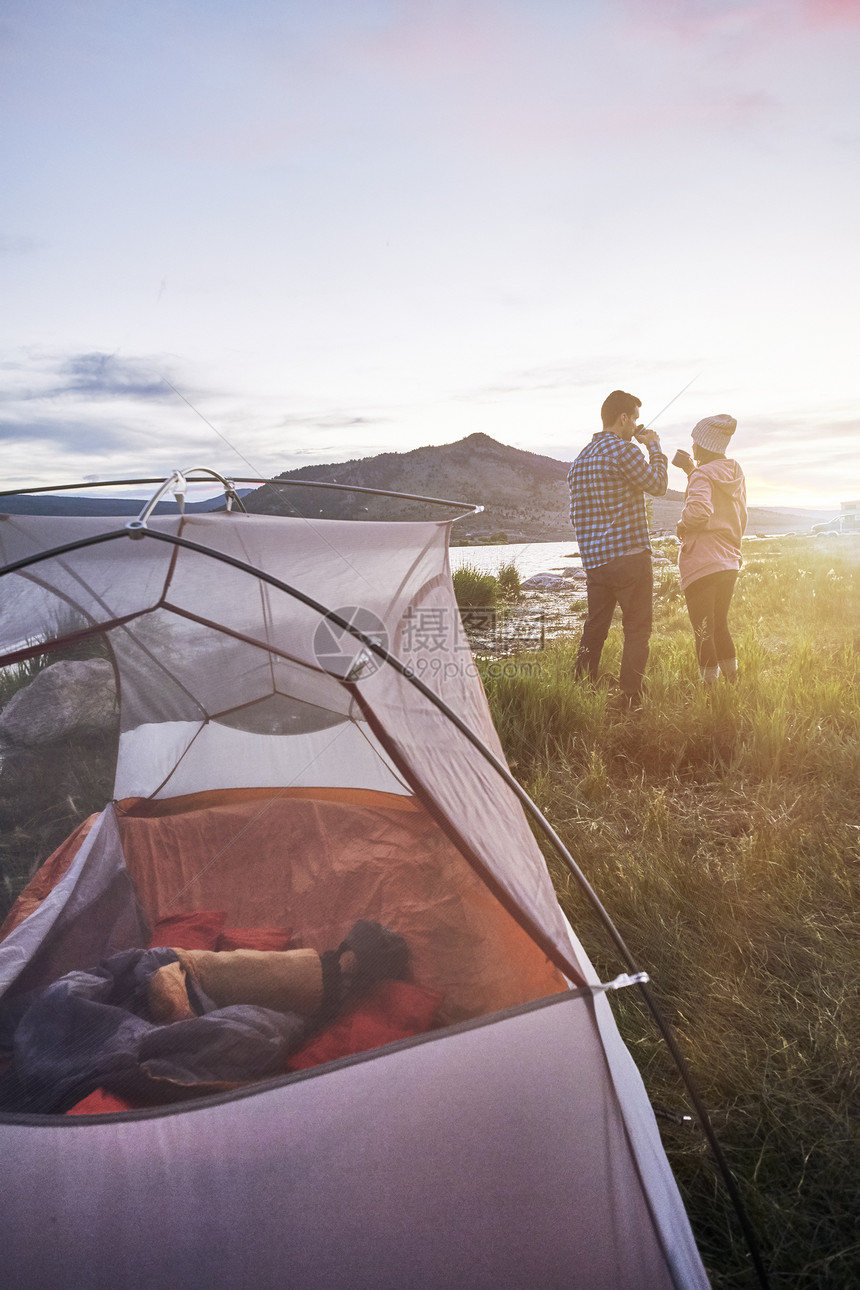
{"x": 273, "y": 766}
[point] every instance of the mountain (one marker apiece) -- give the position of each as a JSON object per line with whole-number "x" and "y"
{"x": 524, "y": 494}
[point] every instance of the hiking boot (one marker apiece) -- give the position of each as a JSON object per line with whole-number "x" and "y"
{"x": 379, "y": 954}
{"x": 368, "y": 954}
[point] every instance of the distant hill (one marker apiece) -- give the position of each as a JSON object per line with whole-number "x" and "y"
{"x": 74, "y": 504}
{"x": 524, "y": 494}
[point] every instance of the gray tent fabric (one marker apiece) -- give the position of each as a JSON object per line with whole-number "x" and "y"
{"x": 460, "y": 1161}
{"x": 515, "y": 1150}
{"x": 89, "y": 915}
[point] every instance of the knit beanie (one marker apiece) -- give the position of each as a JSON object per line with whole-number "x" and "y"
{"x": 713, "y": 434}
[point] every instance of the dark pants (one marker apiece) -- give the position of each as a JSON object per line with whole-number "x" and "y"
{"x": 628, "y": 582}
{"x": 708, "y": 601}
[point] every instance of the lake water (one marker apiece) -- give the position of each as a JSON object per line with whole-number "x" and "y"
{"x": 529, "y": 557}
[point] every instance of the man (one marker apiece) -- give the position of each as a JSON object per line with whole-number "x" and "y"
{"x": 607, "y": 510}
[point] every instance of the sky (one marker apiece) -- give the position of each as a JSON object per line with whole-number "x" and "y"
{"x": 256, "y": 235}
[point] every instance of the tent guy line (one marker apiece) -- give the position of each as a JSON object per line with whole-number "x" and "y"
{"x": 232, "y": 446}
{"x": 221, "y": 435}
{"x": 206, "y": 420}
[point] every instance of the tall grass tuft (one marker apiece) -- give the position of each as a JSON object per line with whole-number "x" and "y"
{"x": 475, "y": 589}
{"x": 509, "y": 583}
{"x": 14, "y": 678}
{"x": 722, "y": 831}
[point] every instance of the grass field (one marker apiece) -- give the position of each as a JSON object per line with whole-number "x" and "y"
{"x": 722, "y": 831}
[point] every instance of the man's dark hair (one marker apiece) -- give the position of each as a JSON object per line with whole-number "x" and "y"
{"x": 616, "y": 403}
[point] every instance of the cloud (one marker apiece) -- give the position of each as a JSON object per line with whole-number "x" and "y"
{"x": 796, "y": 457}
{"x": 324, "y": 451}
{"x": 697, "y": 20}
{"x": 531, "y": 82}
{"x": 742, "y": 23}
{"x": 77, "y": 438}
{"x": 328, "y": 421}
{"x": 811, "y": 433}
{"x": 63, "y": 409}
{"x": 104, "y": 376}
{"x": 831, "y": 13}
{"x": 84, "y": 377}
{"x": 593, "y": 374}
{"x": 19, "y": 244}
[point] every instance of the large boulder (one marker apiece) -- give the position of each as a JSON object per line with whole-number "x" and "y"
{"x": 542, "y": 580}
{"x": 66, "y": 699}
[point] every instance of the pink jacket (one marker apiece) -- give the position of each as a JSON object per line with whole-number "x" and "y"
{"x": 712, "y": 521}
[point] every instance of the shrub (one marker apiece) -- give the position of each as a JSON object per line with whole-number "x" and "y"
{"x": 508, "y": 579}
{"x": 474, "y": 589}
{"x": 15, "y": 677}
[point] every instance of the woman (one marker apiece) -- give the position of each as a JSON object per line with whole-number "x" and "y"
{"x": 711, "y": 527}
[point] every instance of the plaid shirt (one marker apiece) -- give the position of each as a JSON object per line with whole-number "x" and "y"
{"x": 607, "y": 506}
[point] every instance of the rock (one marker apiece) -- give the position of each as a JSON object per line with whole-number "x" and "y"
{"x": 65, "y": 699}
{"x": 542, "y": 580}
